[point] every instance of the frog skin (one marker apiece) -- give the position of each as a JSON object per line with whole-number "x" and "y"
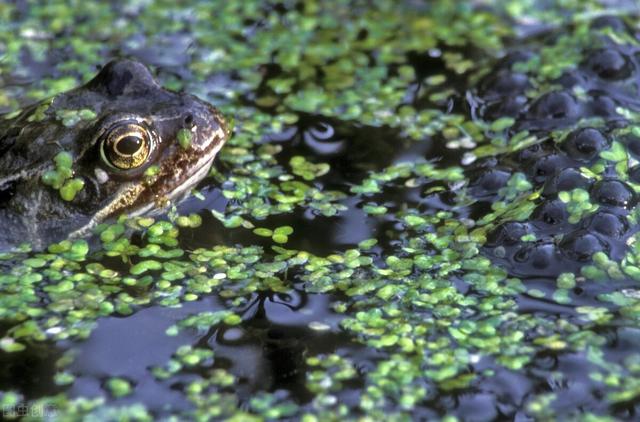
{"x": 118, "y": 144}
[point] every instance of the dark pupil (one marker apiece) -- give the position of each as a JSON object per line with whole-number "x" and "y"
{"x": 128, "y": 145}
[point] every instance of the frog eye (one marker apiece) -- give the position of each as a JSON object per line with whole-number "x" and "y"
{"x": 126, "y": 147}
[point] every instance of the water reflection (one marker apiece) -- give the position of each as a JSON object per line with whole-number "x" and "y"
{"x": 129, "y": 347}
{"x": 31, "y": 371}
{"x": 266, "y": 352}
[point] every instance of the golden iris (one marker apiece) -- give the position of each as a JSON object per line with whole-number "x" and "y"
{"x": 126, "y": 147}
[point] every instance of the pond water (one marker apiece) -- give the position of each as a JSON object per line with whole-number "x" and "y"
{"x": 424, "y": 212}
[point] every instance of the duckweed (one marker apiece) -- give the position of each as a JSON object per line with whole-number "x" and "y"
{"x": 184, "y": 137}
{"x": 70, "y": 118}
{"x": 61, "y": 178}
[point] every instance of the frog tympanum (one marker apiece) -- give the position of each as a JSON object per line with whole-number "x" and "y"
{"x": 118, "y": 144}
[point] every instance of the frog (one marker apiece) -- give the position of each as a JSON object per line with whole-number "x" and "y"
{"x": 120, "y": 144}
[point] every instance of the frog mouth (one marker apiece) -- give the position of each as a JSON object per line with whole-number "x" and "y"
{"x": 198, "y": 172}
{"x": 173, "y": 188}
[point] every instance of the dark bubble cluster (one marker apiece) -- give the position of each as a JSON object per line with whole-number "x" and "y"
{"x": 550, "y": 241}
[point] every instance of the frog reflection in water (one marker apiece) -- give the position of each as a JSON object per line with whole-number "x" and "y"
{"x": 119, "y": 144}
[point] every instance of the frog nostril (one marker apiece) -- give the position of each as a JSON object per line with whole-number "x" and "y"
{"x": 188, "y": 119}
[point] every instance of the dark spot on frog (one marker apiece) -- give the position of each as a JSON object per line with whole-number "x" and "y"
{"x": 552, "y": 212}
{"x": 585, "y": 144}
{"x": 554, "y": 105}
{"x": 632, "y": 143}
{"x": 634, "y": 173}
{"x": 487, "y": 182}
{"x": 614, "y": 193}
{"x": 612, "y": 22}
{"x": 608, "y": 64}
{"x": 608, "y": 224}
{"x": 510, "y": 106}
{"x": 603, "y": 106}
{"x": 547, "y": 166}
{"x": 580, "y": 245}
{"x": 508, "y": 233}
{"x": 533, "y": 153}
{"x": 536, "y": 256}
{"x": 572, "y": 78}
{"x": 502, "y": 93}
{"x": 8, "y": 139}
{"x": 566, "y": 179}
{"x": 514, "y": 57}
{"x": 6, "y": 192}
{"x": 504, "y": 83}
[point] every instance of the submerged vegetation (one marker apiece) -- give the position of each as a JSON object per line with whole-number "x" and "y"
{"x": 425, "y": 211}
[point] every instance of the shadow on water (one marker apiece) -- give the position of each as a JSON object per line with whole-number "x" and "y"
{"x": 129, "y": 347}
{"x": 265, "y": 353}
{"x": 31, "y": 371}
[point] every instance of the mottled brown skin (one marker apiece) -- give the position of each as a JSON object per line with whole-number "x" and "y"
{"x": 123, "y": 91}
